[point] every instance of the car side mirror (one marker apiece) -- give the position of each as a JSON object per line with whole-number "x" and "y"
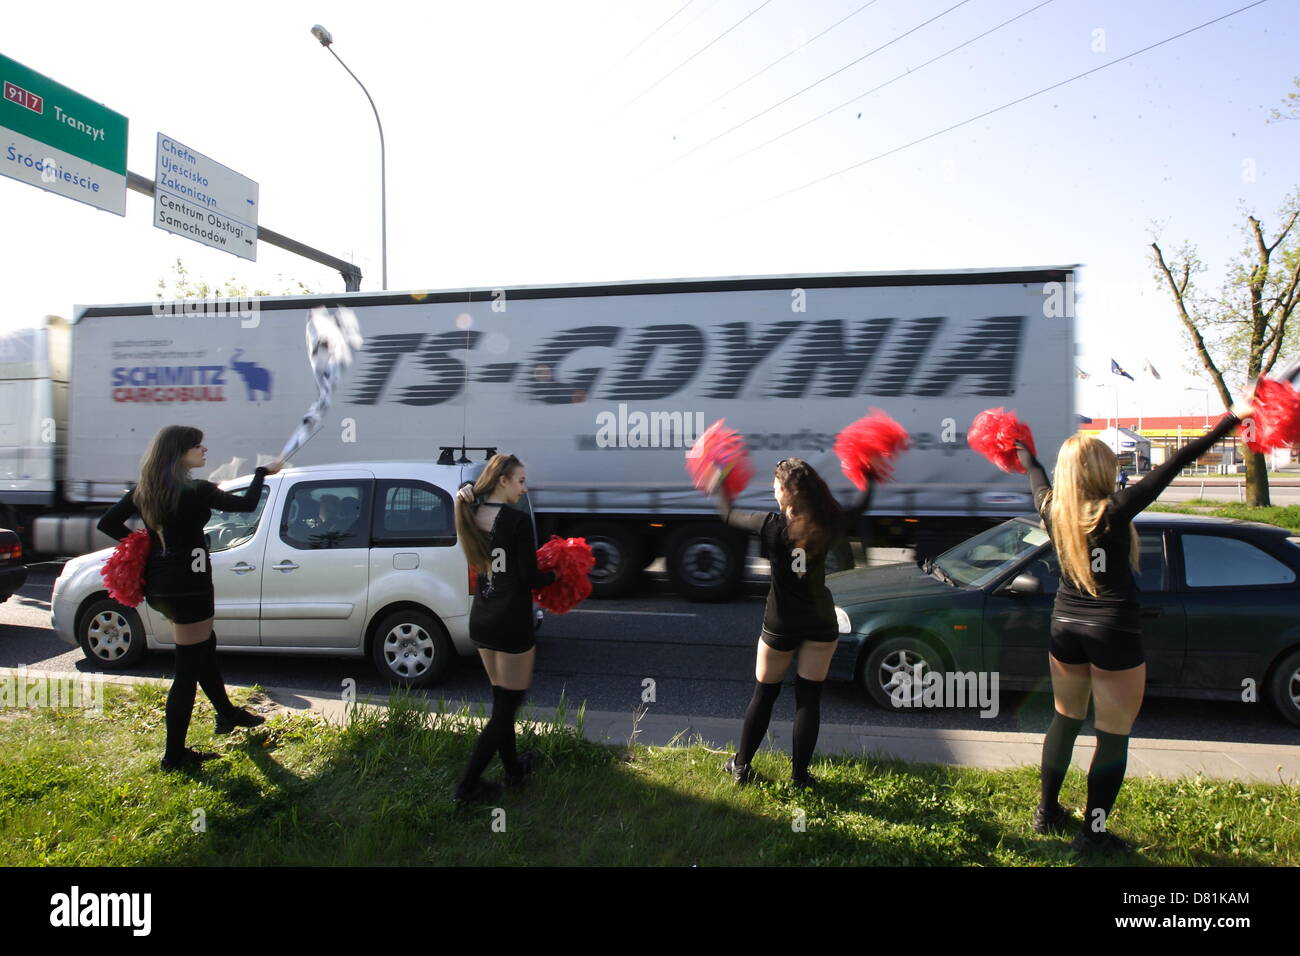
{"x": 1022, "y": 584}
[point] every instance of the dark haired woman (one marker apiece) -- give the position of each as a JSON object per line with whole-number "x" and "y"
{"x": 800, "y": 612}
{"x": 1096, "y": 632}
{"x": 500, "y": 546}
{"x": 178, "y": 576}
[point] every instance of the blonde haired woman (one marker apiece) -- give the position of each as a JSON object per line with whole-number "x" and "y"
{"x": 500, "y": 546}
{"x": 1096, "y": 633}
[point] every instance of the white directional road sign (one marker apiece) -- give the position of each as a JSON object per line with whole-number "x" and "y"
{"x": 198, "y": 198}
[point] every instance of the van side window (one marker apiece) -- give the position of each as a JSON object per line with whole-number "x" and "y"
{"x": 327, "y": 514}
{"x": 413, "y": 514}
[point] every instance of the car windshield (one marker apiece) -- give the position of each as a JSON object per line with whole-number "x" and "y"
{"x": 980, "y": 559}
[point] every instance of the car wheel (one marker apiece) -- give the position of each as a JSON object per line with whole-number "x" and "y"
{"x": 892, "y": 668}
{"x": 411, "y": 648}
{"x": 111, "y": 635}
{"x": 618, "y": 556}
{"x": 704, "y": 562}
{"x": 1284, "y": 688}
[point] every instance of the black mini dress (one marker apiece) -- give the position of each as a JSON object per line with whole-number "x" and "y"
{"x": 178, "y": 578}
{"x": 501, "y": 617}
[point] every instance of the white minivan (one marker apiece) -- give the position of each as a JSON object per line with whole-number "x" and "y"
{"x": 350, "y": 560}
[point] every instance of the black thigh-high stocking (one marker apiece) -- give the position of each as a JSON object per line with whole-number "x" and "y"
{"x": 807, "y": 723}
{"x": 1058, "y": 746}
{"x": 209, "y": 677}
{"x": 180, "y": 699}
{"x": 757, "y": 717}
{"x": 1105, "y": 776}
{"x": 497, "y": 733}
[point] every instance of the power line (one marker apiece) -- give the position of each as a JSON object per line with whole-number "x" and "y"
{"x": 644, "y": 40}
{"x": 696, "y": 149}
{"x": 874, "y": 89}
{"x": 687, "y": 60}
{"x": 776, "y": 61}
{"x": 998, "y": 109}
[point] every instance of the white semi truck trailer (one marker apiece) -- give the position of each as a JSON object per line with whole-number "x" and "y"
{"x": 600, "y": 389}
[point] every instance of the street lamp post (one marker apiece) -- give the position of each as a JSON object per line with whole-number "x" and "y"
{"x": 323, "y": 35}
{"x": 1193, "y": 388}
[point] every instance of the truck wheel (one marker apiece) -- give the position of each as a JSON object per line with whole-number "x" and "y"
{"x": 618, "y": 556}
{"x": 704, "y": 562}
{"x": 1284, "y": 688}
{"x": 411, "y": 648}
{"x": 891, "y": 669}
{"x": 111, "y": 635}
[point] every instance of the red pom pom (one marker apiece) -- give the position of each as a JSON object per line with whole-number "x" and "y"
{"x": 571, "y": 560}
{"x": 123, "y": 572}
{"x": 1276, "y": 416}
{"x": 718, "y": 457}
{"x": 867, "y": 447}
{"x": 994, "y": 434}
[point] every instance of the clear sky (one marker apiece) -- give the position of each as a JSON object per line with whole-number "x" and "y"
{"x": 571, "y": 141}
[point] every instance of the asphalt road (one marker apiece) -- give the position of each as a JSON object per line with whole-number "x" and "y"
{"x": 700, "y": 657}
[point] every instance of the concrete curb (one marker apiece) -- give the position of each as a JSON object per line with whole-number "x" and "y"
{"x": 994, "y": 750}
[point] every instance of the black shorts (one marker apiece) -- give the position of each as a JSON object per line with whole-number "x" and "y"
{"x": 177, "y": 592}
{"x": 791, "y": 642}
{"x": 1105, "y": 647}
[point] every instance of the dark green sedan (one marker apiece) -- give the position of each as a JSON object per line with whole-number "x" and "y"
{"x": 1220, "y": 613}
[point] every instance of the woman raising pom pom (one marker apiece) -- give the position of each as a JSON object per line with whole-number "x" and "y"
{"x": 178, "y": 574}
{"x": 1096, "y": 633}
{"x": 800, "y": 613}
{"x": 500, "y": 546}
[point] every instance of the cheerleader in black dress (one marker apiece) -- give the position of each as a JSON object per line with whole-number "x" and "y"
{"x": 500, "y": 546}
{"x": 178, "y": 574}
{"x": 800, "y": 612}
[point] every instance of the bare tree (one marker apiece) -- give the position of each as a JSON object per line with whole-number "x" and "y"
{"x": 1239, "y": 332}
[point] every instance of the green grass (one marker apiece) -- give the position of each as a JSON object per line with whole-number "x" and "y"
{"x": 84, "y": 790}
{"x": 1285, "y": 516}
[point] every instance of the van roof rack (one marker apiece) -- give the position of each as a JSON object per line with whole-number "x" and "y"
{"x": 445, "y": 458}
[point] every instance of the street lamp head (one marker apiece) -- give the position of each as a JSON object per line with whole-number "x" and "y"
{"x": 320, "y": 33}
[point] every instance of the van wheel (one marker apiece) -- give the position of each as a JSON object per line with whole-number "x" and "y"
{"x": 111, "y": 635}
{"x": 892, "y": 669}
{"x": 705, "y": 562}
{"x": 411, "y": 648}
{"x": 1284, "y": 688}
{"x": 618, "y": 556}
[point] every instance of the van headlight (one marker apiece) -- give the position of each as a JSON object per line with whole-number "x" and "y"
{"x": 842, "y": 620}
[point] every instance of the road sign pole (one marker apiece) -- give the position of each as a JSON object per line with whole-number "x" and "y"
{"x": 351, "y": 274}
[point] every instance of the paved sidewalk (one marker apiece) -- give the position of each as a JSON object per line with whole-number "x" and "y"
{"x": 1272, "y": 763}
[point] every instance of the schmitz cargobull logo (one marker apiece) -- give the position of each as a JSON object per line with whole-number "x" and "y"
{"x": 190, "y": 383}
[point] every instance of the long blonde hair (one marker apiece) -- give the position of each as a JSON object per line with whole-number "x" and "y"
{"x": 163, "y": 474}
{"x": 472, "y": 537}
{"x": 1085, "y": 478}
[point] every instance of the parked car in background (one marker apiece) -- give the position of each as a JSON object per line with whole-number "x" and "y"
{"x": 1220, "y": 611}
{"x": 13, "y": 573}
{"x": 349, "y": 560}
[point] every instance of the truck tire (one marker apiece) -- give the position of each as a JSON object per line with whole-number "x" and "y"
{"x": 111, "y": 635}
{"x": 618, "y": 556}
{"x": 411, "y": 648}
{"x": 890, "y": 663}
{"x": 705, "y": 562}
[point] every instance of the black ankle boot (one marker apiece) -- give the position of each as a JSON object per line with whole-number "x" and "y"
{"x": 237, "y": 718}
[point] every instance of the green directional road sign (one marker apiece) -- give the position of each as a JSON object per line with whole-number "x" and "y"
{"x": 59, "y": 140}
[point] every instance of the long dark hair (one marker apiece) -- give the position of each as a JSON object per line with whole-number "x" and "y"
{"x": 817, "y": 517}
{"x": 162, "y": 474}
{"x": 472, "y": 538}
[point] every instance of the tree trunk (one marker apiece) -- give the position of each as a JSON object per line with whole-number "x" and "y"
{"x": 1256, "y": 478}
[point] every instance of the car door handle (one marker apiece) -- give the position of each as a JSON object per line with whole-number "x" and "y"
{"x": 1152, "y": 611}
{"x": 243, "y": 567}
{"x": 285, "y": 566}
